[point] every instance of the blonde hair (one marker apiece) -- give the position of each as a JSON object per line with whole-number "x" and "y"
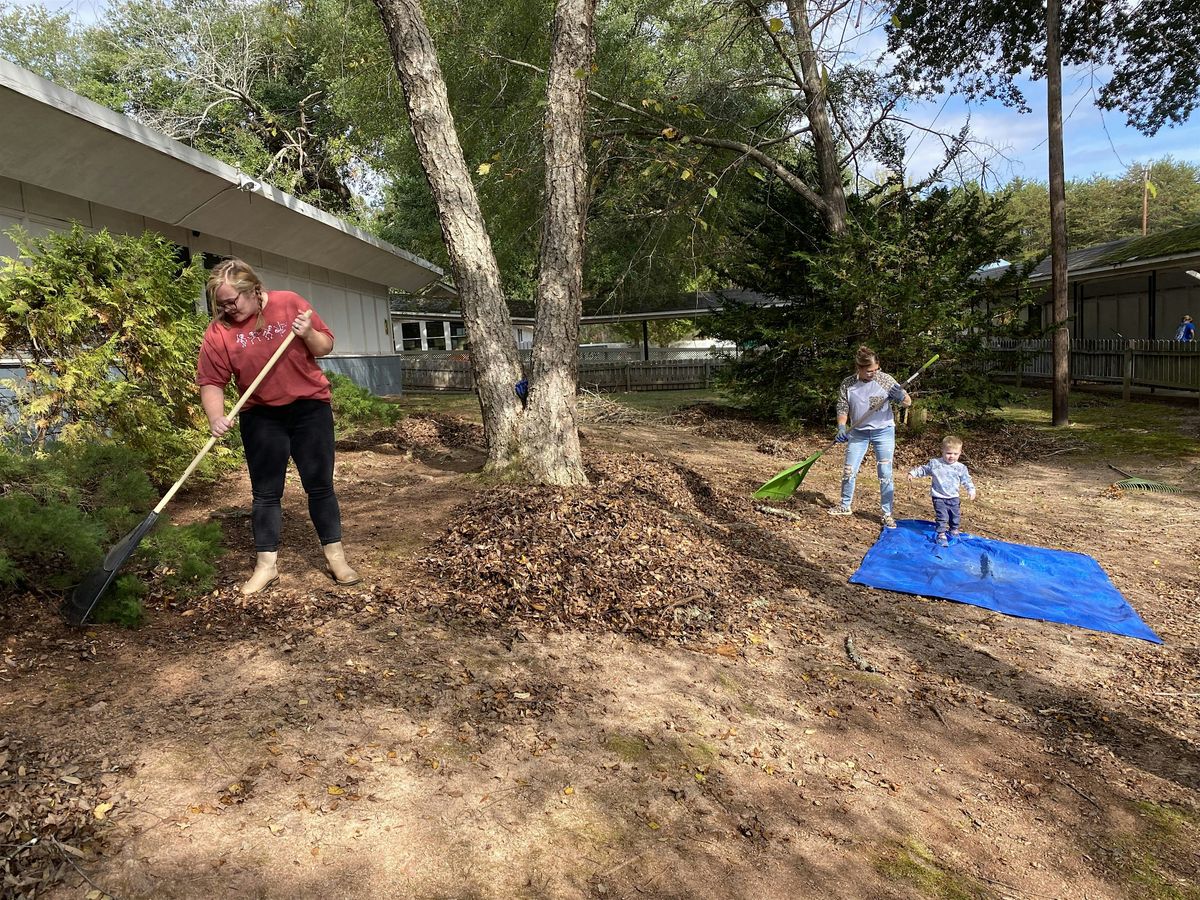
{"x": 239, "y": 276}
{"x": 951, "y": 442}
{"x": 865, "y": 356}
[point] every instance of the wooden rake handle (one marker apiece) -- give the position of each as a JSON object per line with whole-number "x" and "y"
{"x": 237, "y": 407}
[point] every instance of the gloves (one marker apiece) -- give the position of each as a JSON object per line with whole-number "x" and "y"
{"x": 843, "y": 434}
{"x": 896, "y": 393}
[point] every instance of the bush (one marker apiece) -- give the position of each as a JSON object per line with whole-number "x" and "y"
{"x": 184, "y": 555}
{"x": 356, "y": 407}
{"x": 108, "y": 329}
{"x": 121, "y": 603}
{"x": 62, "y": 510}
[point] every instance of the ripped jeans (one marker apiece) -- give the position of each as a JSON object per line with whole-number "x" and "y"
{"x": 883, "y": 441}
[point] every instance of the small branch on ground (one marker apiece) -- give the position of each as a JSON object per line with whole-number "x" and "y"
{"x": 858, "y": 661}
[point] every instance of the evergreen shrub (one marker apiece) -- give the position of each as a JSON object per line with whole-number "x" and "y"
{"x": 63, "y": 509}
{"x": 355, "y": 407}
{"x": 107, "y": 328}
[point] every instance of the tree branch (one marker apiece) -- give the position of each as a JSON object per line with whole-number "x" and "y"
{"x": 776, "y": 168}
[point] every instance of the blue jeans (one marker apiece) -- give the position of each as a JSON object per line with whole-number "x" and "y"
{"x": 946, "y": 513}
{"x": 883, "y": 442}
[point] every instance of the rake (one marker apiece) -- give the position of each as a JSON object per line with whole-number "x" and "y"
{"x": 84, "y": 598}
{"x": 785, "y": 483}
{"x": 1133, "y": 483}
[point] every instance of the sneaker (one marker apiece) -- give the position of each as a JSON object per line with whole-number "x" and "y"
{"x": 955, "y": 533}
{"x": 840, "y": 511}
{"x": 942, "y": 540}
{"x": 888, "y": 522}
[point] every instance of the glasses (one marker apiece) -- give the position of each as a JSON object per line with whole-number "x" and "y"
{"x": 231, "y": 303}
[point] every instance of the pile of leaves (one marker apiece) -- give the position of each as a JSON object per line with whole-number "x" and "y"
{"x": 438, "y": 430}
{"x": 419, "y": 431}
{"x": 53, "y": 811}
{"x": 642, "y": 553}
{"x": 724, "y": 423}
{"x": 992, "y": 444}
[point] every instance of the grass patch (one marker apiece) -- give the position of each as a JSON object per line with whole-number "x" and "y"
{"x": 630, "y": 749}
{"x": 1158, "y": 862}
{"x": 1110, "y": 427}
{"x": 914, "y": 864}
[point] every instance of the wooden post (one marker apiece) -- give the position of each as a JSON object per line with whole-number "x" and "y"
{"x": 707, "y": 371}
{"x": 627, "y": 387}
{"x": 1127, "y": 375}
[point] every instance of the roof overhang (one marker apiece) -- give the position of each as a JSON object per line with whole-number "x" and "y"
{"x": 61, "y": 141}
{"x": 1127, "y": 267}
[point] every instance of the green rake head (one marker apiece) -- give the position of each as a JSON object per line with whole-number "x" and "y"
{"x": 1141, "y": 484}
{"x": 785, "y": 483}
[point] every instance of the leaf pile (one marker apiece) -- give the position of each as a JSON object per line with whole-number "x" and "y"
{"x": 991, "y": 446}
{"x": 438, "y": 430}
{"x": 52, "y": 815}
{"x": 637, "y": 553}
{"x": 724, "y": 423}
{"x": 422, "y": 431}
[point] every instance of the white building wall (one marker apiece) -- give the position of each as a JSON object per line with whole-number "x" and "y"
{"x": 356, "y": 310}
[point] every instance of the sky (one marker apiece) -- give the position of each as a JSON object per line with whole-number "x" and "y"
{"x": 1095, "y": 142}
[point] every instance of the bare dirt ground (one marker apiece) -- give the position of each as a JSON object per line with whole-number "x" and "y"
{"x": 383, "y": 741}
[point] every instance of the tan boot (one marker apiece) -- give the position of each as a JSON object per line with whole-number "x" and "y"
{"x": 335, "y": 557}
{"x": 265, "y": 574}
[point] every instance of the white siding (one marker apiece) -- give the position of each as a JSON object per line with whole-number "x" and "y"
{"x": 355, "y": 310}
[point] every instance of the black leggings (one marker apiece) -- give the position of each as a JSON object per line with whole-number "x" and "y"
{"x": 303, "y": 431}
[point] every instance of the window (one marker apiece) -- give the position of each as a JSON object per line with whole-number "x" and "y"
{"x": 410, "y": 335}
{"x": 435, "y": 335}
{"x": 458, "y": 335}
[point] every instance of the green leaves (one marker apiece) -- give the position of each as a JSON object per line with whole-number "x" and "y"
{"x": 109, "y": 328}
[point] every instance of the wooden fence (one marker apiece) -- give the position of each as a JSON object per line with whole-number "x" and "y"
{"x": 444, "y": 372}
{"x": 1173, "y": 365}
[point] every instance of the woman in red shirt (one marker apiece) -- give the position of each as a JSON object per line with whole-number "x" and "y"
{"x": 289, "y": 416}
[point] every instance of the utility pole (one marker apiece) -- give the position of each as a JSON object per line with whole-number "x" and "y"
{"x": 1061, "y": 355}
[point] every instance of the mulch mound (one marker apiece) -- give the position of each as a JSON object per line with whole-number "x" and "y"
{"x": 642, "y": 552}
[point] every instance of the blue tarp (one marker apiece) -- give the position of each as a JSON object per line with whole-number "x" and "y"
{"x": 1014, "y": 579}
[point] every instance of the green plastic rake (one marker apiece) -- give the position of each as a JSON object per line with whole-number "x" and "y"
{"x": 785, "y": 483}
{"x": 1133, "y": 483}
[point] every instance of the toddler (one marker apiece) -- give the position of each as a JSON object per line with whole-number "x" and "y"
{"x": 948, "y": 474}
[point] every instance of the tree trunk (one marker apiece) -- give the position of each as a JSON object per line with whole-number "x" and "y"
{"x": 494, "y": 358}
{"x": 1058, "y": 218}
{"x": 551, "y": 436}
{"x": 832, "y": 189}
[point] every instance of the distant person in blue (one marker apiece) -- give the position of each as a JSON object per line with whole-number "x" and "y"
{"x": 1187, "y": 330}
{"x": 865, "y": 421}
{"x": 949, "y": 475}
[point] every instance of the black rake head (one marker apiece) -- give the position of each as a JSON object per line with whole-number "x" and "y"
{"x": 1154, "y": 487}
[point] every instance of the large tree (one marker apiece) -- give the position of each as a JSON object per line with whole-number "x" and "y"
{"x": 1151, "y": 50}
{"x": 542, "y": 440}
